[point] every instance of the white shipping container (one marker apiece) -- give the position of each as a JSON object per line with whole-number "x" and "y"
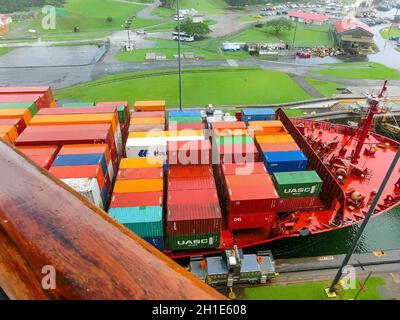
{"x": 110, "y": 170}
{"x": 87, "y": 187}
{"x": 146, "y": 147}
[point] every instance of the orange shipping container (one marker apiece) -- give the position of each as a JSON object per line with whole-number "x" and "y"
{"x": 25, "y": 114}
{"x": 277, "y": 147}
{"x": 274, "y": 138}
{"x": 267, "y": 127}
{"x": 148, "y": 121}
{"x": 149, "y": 106}
{"x": 141, "y": 185}
{"x": 5, "y": 137}
{"x": 230, "y": 132}
{"x": 229, "y": 125}
{"x": 11, "y": 131}
{"x": 137, "y": 163}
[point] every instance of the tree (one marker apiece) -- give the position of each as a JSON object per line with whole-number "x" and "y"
{"x": 196, "y": 29}
{"x": 278, "y": 25}
{"x": 237, "y": 3}
{"x": 168, "y": 3}
{"x": 109, "y": 19}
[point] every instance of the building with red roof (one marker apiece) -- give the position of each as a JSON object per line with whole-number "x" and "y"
{"x": 307, "y": 17}
{"x": 353, "y": 34}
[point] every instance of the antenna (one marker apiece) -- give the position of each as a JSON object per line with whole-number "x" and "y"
{"x": 179, "y": 55}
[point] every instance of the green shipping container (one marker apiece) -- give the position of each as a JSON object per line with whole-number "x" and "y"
{"x": 78, "y": 104}
{"x": 146, "y": 222}
{"x": 185, "y": 120}
{"x": 121, "y": 114}
{"x": 20, "y": 105}
{"x": 229, "y": 140}
{"x": 297, "y": 184}
{"x": 194, "y": 241}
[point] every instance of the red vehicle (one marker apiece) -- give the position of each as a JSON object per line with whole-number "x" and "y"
{"x": 304, "y": 55}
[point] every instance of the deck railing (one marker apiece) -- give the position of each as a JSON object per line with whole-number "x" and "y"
{"x": 54, "y": 244}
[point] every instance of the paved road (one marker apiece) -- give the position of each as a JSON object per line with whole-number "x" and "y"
{"x": 146, "y": 13}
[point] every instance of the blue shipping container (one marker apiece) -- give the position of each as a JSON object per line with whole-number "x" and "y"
{"x": 146, "y": 222}
{"x": 104, "y": 196}
{"x": 285, "y": 161}
{"x": 81, "y": 160}
{"x": 258, "y": 114}
{"x": 184, "y": 113}
{"x": 157, "y": 242}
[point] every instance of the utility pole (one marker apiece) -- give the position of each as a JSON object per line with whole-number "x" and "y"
{"x": 295, "y": 33}
{"x": 179, "y": 55}
{"x": 128, "y": 24}
{"x": 371, "y": 210}
{"x": 363, "y": 286}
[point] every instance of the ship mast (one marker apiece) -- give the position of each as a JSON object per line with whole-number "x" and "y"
{"x": 373, "y": 102}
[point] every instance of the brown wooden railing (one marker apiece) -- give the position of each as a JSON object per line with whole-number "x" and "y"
{"x": 331, "y": 190}
{"x": 43, "y": 222}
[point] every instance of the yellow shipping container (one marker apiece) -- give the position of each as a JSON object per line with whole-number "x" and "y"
{"x": 41, "y": 120}
{"x": 137, "y": 163}
{"x": 274, "y": 138}
{"x": 25, "y": 114}
{"x": 148, "y": 121}
{"x": 141, "y": 185}
{"x": 11, "y": 131}
{"x": 158, "y": 105}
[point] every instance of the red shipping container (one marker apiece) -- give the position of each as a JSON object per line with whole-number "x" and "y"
{"x": 176, "y": 172}
{"x": 44, "y": 161}
{"x": 40, "y": 150}
{"x": 148, "y": 114}
{"x": 146, "y": 127}
{"x": 193, "y": 196}
{"x": 86, "y": 171}
{"x": 18, "y": 123}
{"x": 186, "y": 126}
{"x": 45, "y": 91}
{"x": 189, "y": 152}
{"x": 186, "y": 219}
{"x": 238, "y": 153}
{"x": 194, "y": 183}
{"x": 251, "y": 220}
{"x": 38, "y": 99}
{"x": 241, "y": 169}
{"x": 142, "y": 199}
{"x": 229, "y": 125}
{"x": 142, "y": 173}
{"x": 81, "y": 110}
{"x": 299, "y": 204}
{"x": 277, "y": 147}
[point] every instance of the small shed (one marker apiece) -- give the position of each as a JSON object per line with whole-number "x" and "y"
{"x": 353, "y": 34}
{"x": 231, "y": 46}
{"x": 198, "y": 18}
{"x": 308, "y": 18}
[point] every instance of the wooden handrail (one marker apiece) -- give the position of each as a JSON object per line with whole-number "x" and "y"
{"x": 43, "y": 222}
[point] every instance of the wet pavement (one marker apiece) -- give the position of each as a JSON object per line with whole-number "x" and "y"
{"x": 387, "y": 54}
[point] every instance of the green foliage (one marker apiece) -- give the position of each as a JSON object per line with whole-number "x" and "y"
{"x": 197, "y": 29}
{"x": 8, "y": 6}
{"x": 279, "y": 25}
{"x": 109, "y": 19}
{"x": 168, "y": 3}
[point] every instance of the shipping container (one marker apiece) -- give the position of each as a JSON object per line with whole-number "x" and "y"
{"x": 147, "y": 114}
{"x": 122, "y": 109}
{"x": 276, "y": 138}
{"x": 81, "y": 159}
{"x": 11, "y": 132}
{"x": 143, "y": 106}
{"x": 177, "y": 172}
{"x": 197, "y": 241}
{"x": 39, "y": 150}
{"x": 137, "y": 163}
{"x": 189, "y": 152}
{"x": 177, "y": 120}
{"x": 146, "y": 127}
{"x": 267, "y": 127}
{"x": 252, "y": 220}
{"x": 16, "y": 113}
{"x": 233, "y": 140}
{"x": 285, "y": 161}
{"x": 39, "y": 99}
{"x": 157, "y": 242}
{"x": 299, "y": 204}
{"x": 141, "y": 121}
{"x": 297, "y": 184}
{"x": 18, "y": 123}
{"x": 45, "y": 93}
{"x": 87, "y": 149}
{"x": 140, "y": 185}
{"x": 228, "y": 125}
{"x": 44, "y": 161}
{"x": 31, "y": 106}
{"x": 87, "y": 187}
{"x": 146, "y": 147}
{"x": 186, "y": 126}
{"x": 142, "y": 173}
{"x": 80, "y": 110}
{"x": 193, "y": 183}
{"x": 5, "y": 137}
{"x": 84, "y": 171}
{"x": 191, "y": 197}
{"x": 186, "y": 219}
{"x": 258, "y": 114}
{"x": 136, "y": 199}
{"x": 237, "y": 153}
{"x": 144, "y": 221}
{"x": 78, "y": 104}
{"x": 276, "y": 147}
{"x": 230, "y": 132}
{"x": 169, "y": 135}
{"x": 244, "y": 169}
{"x": 184, "y": 113}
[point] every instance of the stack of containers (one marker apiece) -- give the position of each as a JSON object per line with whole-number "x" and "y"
{"x": 122, "y": 108}
{"x": 141, "y": 106}
{"x": 185, "y": 120}
{"x": 41, "y": 96}
{"x": 147, "y": 127}
{"x": 194, "y": 219}
{"x": 257, "y": 114}
{"x": 42, "y": 155}
{"x": 88, "y": 169}
{"x": 234, "y": 149}
{"x": 78, "y": 104}
{"x": 249, "y": 196}
{"x": 137, "y": 201}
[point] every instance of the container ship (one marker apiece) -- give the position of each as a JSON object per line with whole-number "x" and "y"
{"x": 200, "y": 182}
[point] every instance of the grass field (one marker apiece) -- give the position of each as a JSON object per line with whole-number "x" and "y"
{"x": 312, "y": 291}
{"x": 360, "y": 70}
{"x": 219, "y": 86}
{"x": 91, "y": 16}
{"x": 327, "y": 88}
{"x": 5, "y": 50}
{"x": 394, "y": 32}
{"x": 203, "y": 6}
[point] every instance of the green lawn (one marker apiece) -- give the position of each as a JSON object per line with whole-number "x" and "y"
{"x": 394, "y": 32}
{"x": 219, "y": 86}
{"x": 5, "y": 50}
{"x": 359, "y": 70}
{"x": 312, "y": 291}
{"x": 91, "y": 16}
{"x": 327, "y": 88}
{"x": 203, "y": 6}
